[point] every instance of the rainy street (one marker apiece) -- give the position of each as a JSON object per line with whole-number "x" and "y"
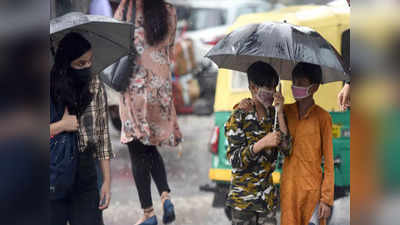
{"x": 186, "y": 172}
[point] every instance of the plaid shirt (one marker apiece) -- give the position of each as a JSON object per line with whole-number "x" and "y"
{"x": 93, "y": 129}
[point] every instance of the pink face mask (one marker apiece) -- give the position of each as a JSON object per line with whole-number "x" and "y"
{"x": 301, "y": 92}
{"x": 266, "y": 97}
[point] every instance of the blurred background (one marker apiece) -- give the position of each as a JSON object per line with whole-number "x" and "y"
{"x": 375, "y": 127}
{"x": 24, "y": 113}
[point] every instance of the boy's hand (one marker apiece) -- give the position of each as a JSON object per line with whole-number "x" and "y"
{"x": 324, "y": 211}
{"x": 279, "y": 102}
{"x": 245, "y": 104}
{"x": 272, "y": 139}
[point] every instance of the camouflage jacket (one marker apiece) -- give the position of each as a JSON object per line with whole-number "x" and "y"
{"x": 251, "y": 186}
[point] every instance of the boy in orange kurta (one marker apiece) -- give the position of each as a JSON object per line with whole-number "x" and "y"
{"x": 306, "y": 189}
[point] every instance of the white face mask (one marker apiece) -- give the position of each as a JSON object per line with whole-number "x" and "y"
{"x": 265, "y": 96}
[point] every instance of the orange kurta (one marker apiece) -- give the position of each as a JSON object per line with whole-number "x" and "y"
{"x": 303, "y": 184}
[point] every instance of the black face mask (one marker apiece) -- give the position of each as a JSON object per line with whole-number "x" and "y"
{"x": 81, "y": 77}
{"x": 81, "y": 80}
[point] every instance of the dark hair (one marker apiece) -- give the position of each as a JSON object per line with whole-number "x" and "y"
{"x": 309, "y": 71}
{"x": 63, "y": 88}
{"x": 262, "y": 74}
{"x": 155, "y": 21}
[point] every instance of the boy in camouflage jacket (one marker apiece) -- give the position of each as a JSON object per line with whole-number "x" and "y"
{"x": 253, "y": 149}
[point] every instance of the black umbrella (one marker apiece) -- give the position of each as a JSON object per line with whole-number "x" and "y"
{"x": 280, "y": 44}
{"x": 109, "y": 38}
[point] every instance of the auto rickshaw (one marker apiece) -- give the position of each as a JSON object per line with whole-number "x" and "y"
{"x": 332, "y": 22}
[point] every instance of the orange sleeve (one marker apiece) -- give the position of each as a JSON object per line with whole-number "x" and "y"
{"x": 327, "y": 190}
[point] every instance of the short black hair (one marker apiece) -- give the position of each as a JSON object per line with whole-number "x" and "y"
{"x": 308, "y": 70}
{"x": 262, "y": 74}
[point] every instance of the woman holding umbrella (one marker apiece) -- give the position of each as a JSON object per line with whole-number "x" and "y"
{"x": 147, "y": 111}
{"x": 81, "y": 99}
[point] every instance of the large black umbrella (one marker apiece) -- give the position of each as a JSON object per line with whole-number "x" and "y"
{"x": 109, "y": 37}
{"x": 280, "y": 44}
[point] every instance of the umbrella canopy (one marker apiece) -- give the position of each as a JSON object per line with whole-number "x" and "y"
{"x": 280, "y": 44}
{"x": 109, "y": 38}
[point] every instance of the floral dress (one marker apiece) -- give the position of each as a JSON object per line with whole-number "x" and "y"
{"x": 147, "y": 110}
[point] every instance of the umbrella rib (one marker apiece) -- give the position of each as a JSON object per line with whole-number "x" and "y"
{"x": 102, "y": 36}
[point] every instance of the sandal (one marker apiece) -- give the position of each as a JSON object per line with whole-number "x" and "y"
{"x": 150, "y": 221}
{"x": 169, "y": 212}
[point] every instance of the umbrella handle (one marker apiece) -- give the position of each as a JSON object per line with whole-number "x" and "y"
{"x": 276, "y": 121}
{"x": 276, "y": 108}
{"x": 279, "y": 87}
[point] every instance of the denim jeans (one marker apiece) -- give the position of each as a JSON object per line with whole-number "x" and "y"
{"x": 80, "y": 207}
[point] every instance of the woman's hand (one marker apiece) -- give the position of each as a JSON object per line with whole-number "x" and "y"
{"x": 69, "y": 122}
{"x": 105, "y": 195}
{"x": 105, "y": 192}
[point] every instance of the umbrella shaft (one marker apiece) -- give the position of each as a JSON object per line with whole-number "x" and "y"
{"x": 276, "y": 120}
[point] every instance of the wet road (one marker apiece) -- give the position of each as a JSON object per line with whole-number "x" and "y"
{"x": 186, "y": 172}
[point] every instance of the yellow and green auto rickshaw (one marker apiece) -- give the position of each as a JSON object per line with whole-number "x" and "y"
{"x": 332, "y": 22}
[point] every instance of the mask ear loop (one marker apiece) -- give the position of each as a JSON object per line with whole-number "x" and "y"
{"x": 308, "y": 90}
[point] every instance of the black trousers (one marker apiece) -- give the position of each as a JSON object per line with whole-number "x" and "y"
{"x": 146, "y": 163}
{"x": 81, "y": 206}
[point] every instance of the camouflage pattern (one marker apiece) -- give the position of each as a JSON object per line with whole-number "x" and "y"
{"x": 253, "y": 218}
{"x": 252, "y": 187}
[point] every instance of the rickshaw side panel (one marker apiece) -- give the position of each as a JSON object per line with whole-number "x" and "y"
{"x": 341, "y": 147}
{"x": 222, "y": 162}
{"x": 220, "y": 171}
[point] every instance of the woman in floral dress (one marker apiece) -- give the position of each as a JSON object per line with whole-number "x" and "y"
{"x": 146, "y": 107}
